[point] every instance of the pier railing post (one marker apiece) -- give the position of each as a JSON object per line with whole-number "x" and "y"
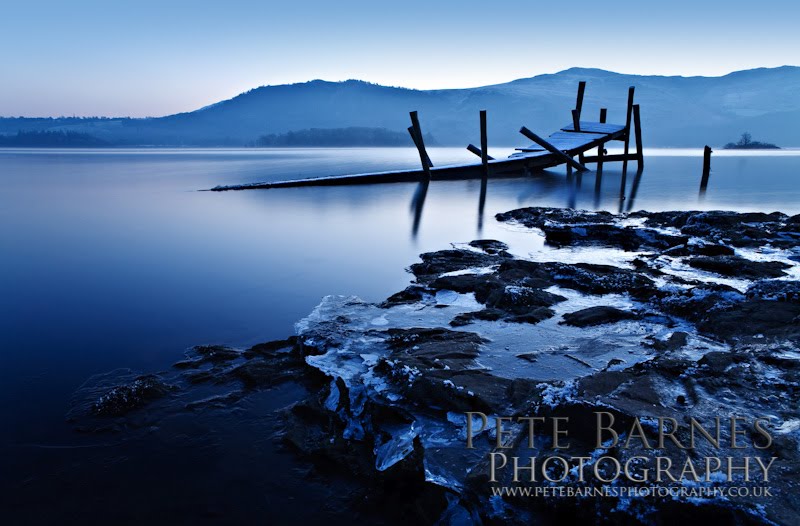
{"x": 579, "y": 99}
{"x": 576, "y": 125}
{"x": 637, "y": 126}
{"x": 420, "y": 144}
{"x": 601, "y": 148}
{"x": 576, "y": 113}
{"x": 706, "y": 169}
{"x": 413, "y": 135}
{"x": 484, "y": 145}
{"x": 628, "y": 115}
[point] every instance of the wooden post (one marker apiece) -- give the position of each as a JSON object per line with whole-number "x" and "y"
{"x": 628, "y": 129}
{"x": 579, "y": 100}
{"x": 552, "y": 149}
{"x": 477, "y": 151}
{"x": 706, "y": 169}
{"x": 601, "y": 148}
{"x": 600, "y": 153}
{"x": 484, "y": 145}
{"x": 637, "y": 127}
{"x": 576, "y": 125}
{"x": 420, "y": 143}
{"x": 416, "y": 143}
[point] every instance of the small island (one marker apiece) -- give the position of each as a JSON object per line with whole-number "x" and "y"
{"x": 746, "y": 142}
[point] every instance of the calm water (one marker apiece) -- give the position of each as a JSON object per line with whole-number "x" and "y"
{"x": 113, "y": 259}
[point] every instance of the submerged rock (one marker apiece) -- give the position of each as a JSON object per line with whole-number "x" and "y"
{"x": 123, "y": 399}
{"x": 778, "y": 290}
{"x": 597, "y": 316}
{"x": 739, "y": 267}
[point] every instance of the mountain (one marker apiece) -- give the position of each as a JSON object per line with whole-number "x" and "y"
{"x": 676, "y": 111}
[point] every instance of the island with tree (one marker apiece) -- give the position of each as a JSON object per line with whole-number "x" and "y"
{"x": 746, "y": 142}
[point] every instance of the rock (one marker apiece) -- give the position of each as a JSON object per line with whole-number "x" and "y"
{"x": 490, "y": 246}
{"x": 676, "y": 340}
{"x": 518, "y": 300}
{"x": 537, "y": 217}
{"x": 123, "y": 399}
{"x": 436, "y": 263}
{"x": 753, "y": 318}
{"x": 485, "y": 314}
{"x": 425, "y": 349}
{"x": 411, "y": 294}
{"x": 597, "y": 316}
{"x": 711, "y": 249}
{"x": 695, "y": 303}
{"x": 215, "y": 353}
{"x": 601, "y": 279}
{"x": 739, "y": 267}
{"x": 777, "y": 290}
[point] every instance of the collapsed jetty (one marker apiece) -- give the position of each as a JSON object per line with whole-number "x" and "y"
{"x": 562, "y": 147}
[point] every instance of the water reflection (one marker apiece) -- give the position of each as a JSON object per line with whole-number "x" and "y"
{"x": 535, "y": 189}
{"x": 417, "y": 204}
{"x": 482, "y": 203}
{"x": 634, "y": 188}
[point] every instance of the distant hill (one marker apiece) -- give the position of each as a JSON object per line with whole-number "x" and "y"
{"x": 676, "y": 111}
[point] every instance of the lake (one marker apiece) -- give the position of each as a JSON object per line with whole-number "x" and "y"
{"x": 113, "y": 259}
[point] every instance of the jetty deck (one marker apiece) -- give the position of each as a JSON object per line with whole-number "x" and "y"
{"x": 561, "y": 147}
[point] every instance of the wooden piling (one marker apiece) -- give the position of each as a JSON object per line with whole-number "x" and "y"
{"x": 416, "y": 143}
{"x": 484, "y": 145}
{"x": 552, "y": 149}
{"x": 628, "y": 115}
{"x": 477, "y": 151}
{"x": 706, "y": 168}
{"x": 637, "y": 126}
{"x": 601, "y": 150}
{"x": 579, "y": 99}
{"x": 576, "y": 113}
{"x": 420, "y": 143}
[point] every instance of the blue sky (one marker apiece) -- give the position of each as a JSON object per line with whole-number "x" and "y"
{"x": 158, "y": 57}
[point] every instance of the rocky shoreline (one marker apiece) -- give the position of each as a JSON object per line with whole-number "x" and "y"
{"x": 698, "y": 318}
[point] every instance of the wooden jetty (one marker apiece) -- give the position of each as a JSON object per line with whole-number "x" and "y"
{"x": 561, "y": 147}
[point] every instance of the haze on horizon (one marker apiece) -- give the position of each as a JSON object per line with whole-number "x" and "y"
{"x": 150, "y": 58}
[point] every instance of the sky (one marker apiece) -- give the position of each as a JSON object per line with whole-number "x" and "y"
{"x": 153, "y": 58}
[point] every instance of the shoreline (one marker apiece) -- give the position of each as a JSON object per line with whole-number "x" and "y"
{"x": 701, "y": 320}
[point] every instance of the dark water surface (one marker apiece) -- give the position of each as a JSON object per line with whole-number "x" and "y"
{"x": 112, "y": 259}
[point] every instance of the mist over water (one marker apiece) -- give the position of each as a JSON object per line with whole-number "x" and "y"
{"x": 114, "y": 259}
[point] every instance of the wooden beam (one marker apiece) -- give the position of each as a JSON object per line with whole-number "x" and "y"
{"x": 420, "y": 143}
{"x": 610, "y": 158}
{"x": 579, "y": 100}
{"x": 600, "y": 154}
{"x": 576, "y": 126}
{"x": 484, "y": 144}
{"x": 628, "y": 129}
{"x": 416, "y": 143}
{"x": 552, "y": 149}
{"x": 477, "y": 151}
{"x": 576, "y": 122}
{"x": 706, "y": 169}
{"x": 637, "y": 127}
